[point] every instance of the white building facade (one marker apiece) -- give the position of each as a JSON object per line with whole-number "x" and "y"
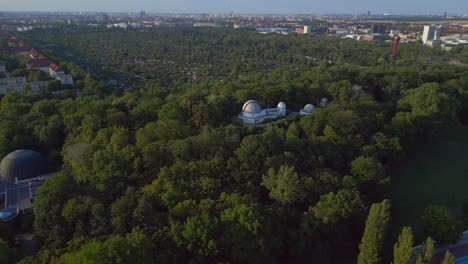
{"x": 428, "y": 33}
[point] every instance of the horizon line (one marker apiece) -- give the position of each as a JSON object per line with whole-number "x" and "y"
{"x": 237, "y": 13}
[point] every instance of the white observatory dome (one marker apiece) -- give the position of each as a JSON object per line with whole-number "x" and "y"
{"x": 309, "y": 108}
{"x": 282, "y": 108}
{"x": 324, "y": 102}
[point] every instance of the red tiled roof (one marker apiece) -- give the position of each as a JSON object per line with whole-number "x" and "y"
{"x": 34, "y": 53}
{"x": 23, "y": 44}
{"x": 38, "y": 63}
{"x": 21, "y": 49}
{"x": 13, "y": 40}
{"x": 55, "y": 68}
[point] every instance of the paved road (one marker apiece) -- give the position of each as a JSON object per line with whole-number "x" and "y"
{"x": 459, "y": 249}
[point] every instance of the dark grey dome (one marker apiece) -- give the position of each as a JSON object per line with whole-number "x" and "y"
{"x": 22, "y": 164}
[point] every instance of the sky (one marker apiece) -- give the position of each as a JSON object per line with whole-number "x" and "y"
{"x": 243, "y": 6}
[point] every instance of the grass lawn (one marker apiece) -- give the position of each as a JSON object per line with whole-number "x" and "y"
{"x": 436, "y": 174}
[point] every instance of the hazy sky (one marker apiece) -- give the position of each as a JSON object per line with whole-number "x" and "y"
{"x": 242, "y": 6}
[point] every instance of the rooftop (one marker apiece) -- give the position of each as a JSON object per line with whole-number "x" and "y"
{"x": 38, "y": 63}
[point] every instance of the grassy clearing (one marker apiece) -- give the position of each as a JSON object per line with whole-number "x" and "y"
{"x": 436, "y": 174}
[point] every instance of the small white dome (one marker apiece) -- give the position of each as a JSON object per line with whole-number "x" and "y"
{"x": 309, "y": 108}
{"x": 251, "y": 107}
{"x": 324, "y": 100}
{"x": 282, "y": 109}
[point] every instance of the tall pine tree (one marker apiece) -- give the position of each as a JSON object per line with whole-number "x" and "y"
{"x": 427, "y": 253}
{"x": 373, "y": 238}
{"x": 403, "y": 249}
{"x": 449, "y": 258}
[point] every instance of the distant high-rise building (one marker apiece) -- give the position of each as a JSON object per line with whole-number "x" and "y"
{"x": 445, "y": 14}
{"x": 379, "y": 29}
{"x": 142, "y": 14}
{"x": 437, "y": 34}
{"x": 307, "y": 29}
{"x": 103, "y": 17}
{"x": 428, "y": 33}
{"x": 369, "y": 13}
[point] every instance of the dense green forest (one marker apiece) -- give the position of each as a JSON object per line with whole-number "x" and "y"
{"x": 162, "y": 173}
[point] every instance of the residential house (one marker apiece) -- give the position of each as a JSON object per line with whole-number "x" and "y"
{"x": 21, "y": 51}
{"x": 65, "y": 79}
{"x": 55, "y": 70}
{"x": 39, "y": 64}
{"x": 23, "y": 44}
{"x": 36, "y": 55}
{"x": 13, "y": 41}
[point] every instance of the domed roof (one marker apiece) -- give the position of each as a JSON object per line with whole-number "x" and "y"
{"x": 22, "y": 164}
{"x": 281, "y": 105}
{"x": 324, "y": 100}
{"x": 309, "y": 108}
{"x": 252, "y": 107}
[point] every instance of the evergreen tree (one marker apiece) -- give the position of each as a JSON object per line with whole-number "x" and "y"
{"x": 427, "y": 252}
{"x": 403, "y": 249}
{"x": 419, "y": 260}
{"x": 449, "y": 258}
{"x": 373, "y": 238}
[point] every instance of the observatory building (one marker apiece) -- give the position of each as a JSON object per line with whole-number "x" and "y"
{"x": 21, "y": 174}
{"x": 323, "y": 102}
{"x": 310, "y": 108}
{"x": 252, "y": 113}
{"x": 307, "y": 110}
{"x": 22, "y": 165}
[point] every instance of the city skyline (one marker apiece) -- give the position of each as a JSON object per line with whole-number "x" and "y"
{"x": 243, "y": 6}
